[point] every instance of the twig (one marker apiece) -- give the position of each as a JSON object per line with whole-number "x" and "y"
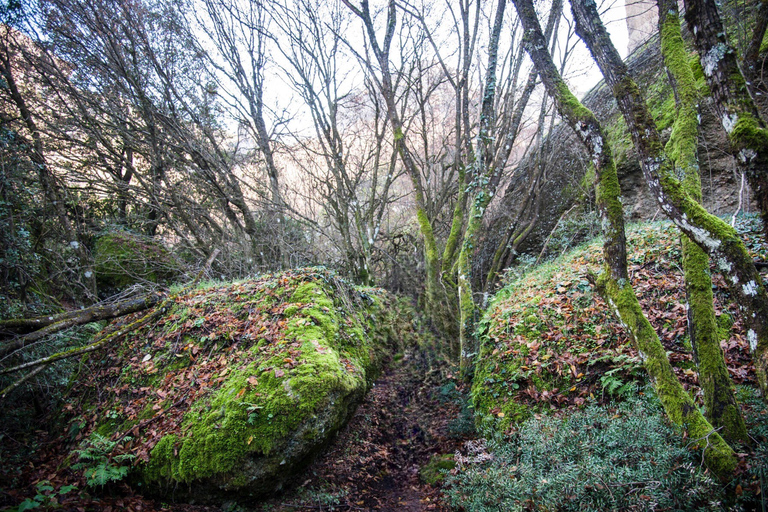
{"x": 613, "y": 498}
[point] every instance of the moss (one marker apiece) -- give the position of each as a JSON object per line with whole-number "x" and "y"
{"x": 720, "y": 458}
{"x": 426, "y": 230}
{"x": 457, "y": 221}
{"x": 433, "y": 473}
{"x": 517, "y": 325}
{"x": 271, "y": 411}
{"x": 301, "y": 348}
{"x": 681, "y": 148}
{"x": 571, "y": 103}
{"x": 748, "y": 133}
{"x": 724, "y": 324}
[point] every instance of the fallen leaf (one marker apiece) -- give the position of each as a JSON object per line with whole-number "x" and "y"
{"x": 252, "y": 381}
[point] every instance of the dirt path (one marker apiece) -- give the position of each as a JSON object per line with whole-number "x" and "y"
{"x": 373, "y": 464}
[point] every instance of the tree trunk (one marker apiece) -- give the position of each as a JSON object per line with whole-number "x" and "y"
{"x": 51, "y": 324}
{"x": 614, "y": 280}
{"x": 711, "y": 234}
{"x": 719, "y": 400}
{"x": 746, "y": 130}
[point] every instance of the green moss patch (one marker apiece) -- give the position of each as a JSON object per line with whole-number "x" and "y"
{"x": 434, "y": 472}
{"x": 243, "y": 382}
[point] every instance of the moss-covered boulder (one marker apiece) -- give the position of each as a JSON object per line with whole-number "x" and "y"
{"x": 123, "y": 258}
{"x": 550, "y": 342}
{"x": 238, "y": 385}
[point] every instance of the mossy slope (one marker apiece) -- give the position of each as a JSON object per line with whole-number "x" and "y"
{"x": 240, "y": 384}
{"x": 548, "y": 341}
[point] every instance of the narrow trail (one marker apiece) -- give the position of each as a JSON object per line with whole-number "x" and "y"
{"x": 373, "y": 463}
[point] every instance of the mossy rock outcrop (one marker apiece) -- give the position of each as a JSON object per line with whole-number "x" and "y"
{"x": 239, "y": 385}
{"x": 549, "y": 341}
{"x": 123, "y": 258}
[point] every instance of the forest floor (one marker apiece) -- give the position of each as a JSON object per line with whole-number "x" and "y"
{"x": 411, "y": 414}
{"x": 413, "y": 411}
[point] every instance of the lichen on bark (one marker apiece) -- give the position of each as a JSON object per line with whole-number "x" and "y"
{"x": 719, "y": 400}
{"x": 710, "y": 233}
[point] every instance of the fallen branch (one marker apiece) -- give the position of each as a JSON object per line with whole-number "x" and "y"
{"x": 22, "y": 380}
{"x": 103, "y": 338}
{"x": 54, "y": 324}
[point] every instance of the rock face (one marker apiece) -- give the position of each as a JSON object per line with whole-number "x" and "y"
{"x": 239, "y": 385}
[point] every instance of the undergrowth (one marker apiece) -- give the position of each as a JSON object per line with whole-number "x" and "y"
{"x": 623, "y": 456}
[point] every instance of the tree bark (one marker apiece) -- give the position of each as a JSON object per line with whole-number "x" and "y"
{"x": 719, "y": 401}
{"x": 48, "y": 325}
{"x": 715, "y": 237}
{"x": 746, "y": 130}
{"x": 614, "y": 280}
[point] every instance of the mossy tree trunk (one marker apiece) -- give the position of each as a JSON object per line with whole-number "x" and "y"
{"x": 614, "y": 280}
{"x": 710, "y": 233}
{"x": 719, "y": 401}
{"x": 746, "y": 130}
{"x": 484, "y": 189}
{"x": 47, "y": 325}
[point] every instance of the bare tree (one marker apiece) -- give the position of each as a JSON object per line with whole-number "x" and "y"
{"x": 354, "y": 184}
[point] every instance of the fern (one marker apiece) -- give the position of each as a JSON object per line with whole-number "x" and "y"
{"x": 97, "y": 462}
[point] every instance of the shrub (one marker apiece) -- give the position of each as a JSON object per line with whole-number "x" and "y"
{"x": 618, "y": 457}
